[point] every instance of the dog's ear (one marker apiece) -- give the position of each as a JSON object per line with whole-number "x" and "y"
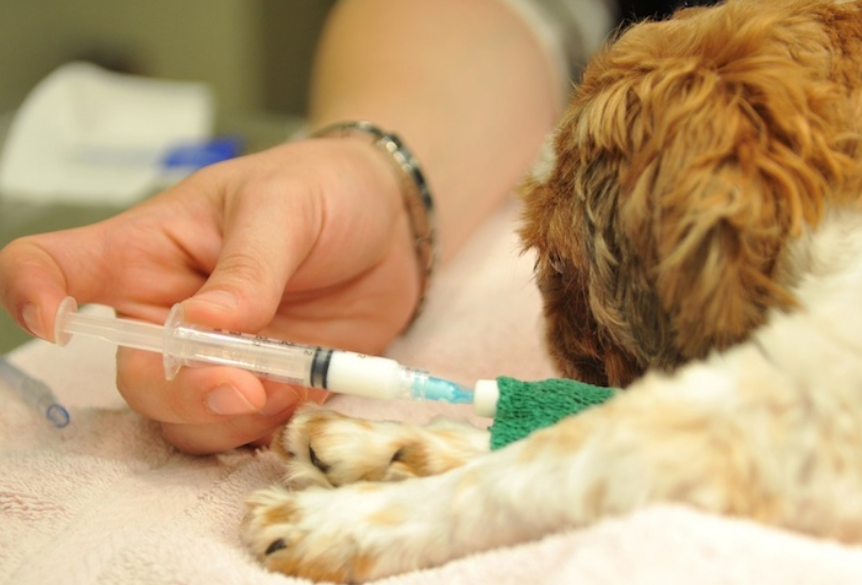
{"x": 553, "y": 228}
{"x": 692, "y": 153}
{"x": 730, "y": 154}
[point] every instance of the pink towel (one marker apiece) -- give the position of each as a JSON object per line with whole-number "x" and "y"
{"x": 106, "y": 500}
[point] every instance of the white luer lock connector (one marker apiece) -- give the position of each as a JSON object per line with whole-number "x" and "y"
{"x": 486, "y": 393}
{"x": 365, "y": 375}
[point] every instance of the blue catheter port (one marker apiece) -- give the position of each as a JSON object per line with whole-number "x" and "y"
{"x": 445, "y": 390}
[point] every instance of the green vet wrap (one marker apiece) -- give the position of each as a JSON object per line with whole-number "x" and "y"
{"x": 524, "y": 407}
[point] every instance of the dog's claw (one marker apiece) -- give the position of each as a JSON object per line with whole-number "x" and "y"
{"x": 275, "y": 546}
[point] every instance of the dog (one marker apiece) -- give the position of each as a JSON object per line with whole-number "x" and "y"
{"x": 699, "y": 243}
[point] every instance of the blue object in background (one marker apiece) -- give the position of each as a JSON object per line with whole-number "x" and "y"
{"x": 190, "y": 157}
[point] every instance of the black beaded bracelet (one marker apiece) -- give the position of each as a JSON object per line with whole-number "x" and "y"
{"x": 417, "y": 196}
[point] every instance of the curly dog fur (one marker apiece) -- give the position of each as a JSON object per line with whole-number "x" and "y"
{"x": 694, "y": 151}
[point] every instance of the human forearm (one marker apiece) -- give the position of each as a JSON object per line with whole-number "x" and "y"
{"x": 465, "y": 84}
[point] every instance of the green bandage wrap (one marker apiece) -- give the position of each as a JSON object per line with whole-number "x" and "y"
{"x": 524, "y": 407}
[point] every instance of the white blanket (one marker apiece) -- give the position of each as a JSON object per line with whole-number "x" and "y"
{"x": 106, "y": 500}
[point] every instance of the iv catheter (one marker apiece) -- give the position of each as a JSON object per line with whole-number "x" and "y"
{"x": 182, "y": 344}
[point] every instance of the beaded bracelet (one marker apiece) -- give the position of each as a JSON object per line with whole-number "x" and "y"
{"x": 417, "y": 196}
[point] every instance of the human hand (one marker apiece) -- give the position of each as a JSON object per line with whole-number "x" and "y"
{"x": 308, "y": 242}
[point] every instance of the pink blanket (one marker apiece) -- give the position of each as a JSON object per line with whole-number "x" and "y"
{"x": 106, "y": 500}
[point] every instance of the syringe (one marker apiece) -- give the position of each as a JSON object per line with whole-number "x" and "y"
{"x": 182, "y": 344}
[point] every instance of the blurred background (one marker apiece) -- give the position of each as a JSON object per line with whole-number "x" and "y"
{"x": 254, "y": 55}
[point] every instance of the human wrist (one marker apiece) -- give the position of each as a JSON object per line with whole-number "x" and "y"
{"x": 416, "y": 195}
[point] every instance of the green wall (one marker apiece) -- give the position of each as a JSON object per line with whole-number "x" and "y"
{"x": 255, "y": 53}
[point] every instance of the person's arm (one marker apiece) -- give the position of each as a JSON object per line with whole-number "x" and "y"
{"x": 466, "y": 85}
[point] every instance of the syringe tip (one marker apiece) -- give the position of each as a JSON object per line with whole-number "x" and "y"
{"x": 447, "y": 391}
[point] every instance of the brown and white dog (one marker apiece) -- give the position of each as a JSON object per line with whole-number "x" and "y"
{"x": 699, "y": 240}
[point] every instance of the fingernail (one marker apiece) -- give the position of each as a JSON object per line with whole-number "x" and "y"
{"x": 30, "y": 316}
{"x": 279, "y": 401}
{"x": 227, "y": 400}
{"x": 219, "y": 298}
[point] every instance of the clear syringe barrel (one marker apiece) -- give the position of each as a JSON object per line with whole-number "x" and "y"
{"x": 191, "y": 345}
{"x": 282, "y": 361}
{"x": 182, "y": 344}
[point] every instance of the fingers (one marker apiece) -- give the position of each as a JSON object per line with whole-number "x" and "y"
{"x": 228, "y": 433}
{"x": 196, "y": 395}
{"x": 36, "y": 279}
{"x": 206, "y": 409}
{"x": 233, "y": 237}
{"x": 221, "y": 436}
{"x": 268, "y": 232}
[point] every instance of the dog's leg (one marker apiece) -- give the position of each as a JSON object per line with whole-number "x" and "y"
{"x": 769, "y": 430}
{"x": 327, "y": 449}
{"x": 736, "y": 435}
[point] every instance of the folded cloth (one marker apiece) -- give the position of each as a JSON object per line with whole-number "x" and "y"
{"x": 107, "y": 500}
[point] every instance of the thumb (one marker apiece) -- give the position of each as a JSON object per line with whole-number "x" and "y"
{"x": 38, "y": 272}
{"x": 264, "y": 243}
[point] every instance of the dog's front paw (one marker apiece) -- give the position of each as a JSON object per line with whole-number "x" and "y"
{"x": 354, "y": 534}
{"x": 327, "y": 449}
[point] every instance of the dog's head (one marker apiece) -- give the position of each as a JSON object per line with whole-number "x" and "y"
{"x": 692, "y": 152}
